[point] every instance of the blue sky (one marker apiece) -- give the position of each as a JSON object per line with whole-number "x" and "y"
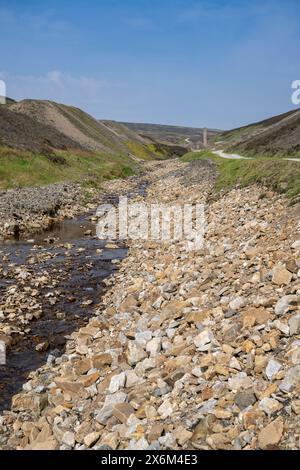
{"x": 210, "y": 63}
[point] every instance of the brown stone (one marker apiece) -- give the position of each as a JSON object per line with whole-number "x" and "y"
{"x": 197, "y": 316}
{"x": 155, "y": 432}
{"x": 261, "y": 316}
{"x": 83, "y": 366}
{"x": 50, "y": 444}
{"x": 122, "y": 411}
{"x": 251, "y": 418}
{"x": 281, "y": 276}
{"x": 91, "y": 379}
{"x": 101, "y": 360}
{"x": 128, "y": 304}
{"x": 271, "y": 434}
{"x": 25, "y": 402}
{"x": 67, "y": 386}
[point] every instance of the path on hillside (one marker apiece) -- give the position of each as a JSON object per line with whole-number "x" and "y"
{"x": 231, "y": 156}
{"x": 235, "y": 156}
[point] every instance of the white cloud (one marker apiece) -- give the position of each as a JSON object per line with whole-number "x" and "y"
{"x": 55, "y": 85}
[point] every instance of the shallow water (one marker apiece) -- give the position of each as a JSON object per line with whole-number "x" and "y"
{"x": 80, "y": 271}
{"x": 80, "y": 276}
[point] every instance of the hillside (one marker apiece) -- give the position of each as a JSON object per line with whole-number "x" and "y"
{"x": 177, "y": 135}
{"x": 23, "y": 132}
{"x": 278, "y": 135}
{"x": 81, "y": 128}
{"x": 42, "y": 142}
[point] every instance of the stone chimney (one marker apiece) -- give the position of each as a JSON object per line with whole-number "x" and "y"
{"x": 205, "y": 137}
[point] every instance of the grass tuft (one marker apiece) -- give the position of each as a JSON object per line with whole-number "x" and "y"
{"x": 279, "y": 175}
{"x": 23, "y": 169}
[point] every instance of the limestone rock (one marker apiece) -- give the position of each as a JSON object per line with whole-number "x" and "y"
{"x": 272, "y": 368}
{"x": 135, "y": 353}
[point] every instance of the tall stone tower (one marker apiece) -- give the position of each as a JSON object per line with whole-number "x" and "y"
{"x": 205, "y": 137}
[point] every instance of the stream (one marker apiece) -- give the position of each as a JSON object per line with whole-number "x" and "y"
{"x": 78, "y": 271}
{"x": 77, "y": 263}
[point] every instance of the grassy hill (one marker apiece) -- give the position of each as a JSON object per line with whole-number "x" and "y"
{"x": 279, "y": 175}
{"x": 44, "y": 142}
{"x": 276, "y": 136}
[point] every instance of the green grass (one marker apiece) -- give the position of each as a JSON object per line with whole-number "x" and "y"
{"x": 279, "y": 175}
{"x": 146, "y": 151}
{"x": 190, "y": 156}
{"x": 23, "y": 169}
{"x": 158, "y": 151}
{"x": 254, "y": 154}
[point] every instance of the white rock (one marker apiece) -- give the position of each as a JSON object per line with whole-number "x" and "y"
{"x": 296, "y": 357}
{"x": 132, "y": 379}
{"x": 272, "y": 368}
{"x": 283, "y": 327}
{"x": 141, "y": 444}
{"x": 237, "y": 303}
{"x": 291, "y": 380}
{"x": 296, "y": 245}
{"x": 240, "y": 381}
{"x": 197, "y": 372}
{"x": 27, "y": 387}
{"x": 154, "y": 347}
{"x": 234, "y": 364}
{"x": 284, "y": 303}
{"x": 168, "y": 441}
{"x": 171, "y": 332}
{"x": 166, "y": 409}
{"x": 106, "y": 411}
{"x": 269, "y": 405}
{"x": 135, "y": 353}
{"x": 158, "y": 302}
{"x": 294, "y": 324}
{"x": 68, "y": 439}
{"x": 117, "y": 382}
{"x": 203, "y": 340}
{"x": 143, "y": 337}
{"x": 208, "y": 406}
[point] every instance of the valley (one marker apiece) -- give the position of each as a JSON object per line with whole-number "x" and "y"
{"x": 144, "y": 344}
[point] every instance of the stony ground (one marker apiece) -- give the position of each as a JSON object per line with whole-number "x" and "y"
{"x": 31, "y": 209}
{"x": 189, "y": 349}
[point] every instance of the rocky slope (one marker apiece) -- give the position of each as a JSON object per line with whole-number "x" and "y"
{"x": 188, "y": 349}
{"x": 23, "y": 132}
{"x": 277, "y": 135}
{"x": 79, "y": 127}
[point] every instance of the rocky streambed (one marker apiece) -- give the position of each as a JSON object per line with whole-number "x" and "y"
{"x": 49, "y": 288}
{"x": 187, "y": 349}
{"x": 51, "y": 281}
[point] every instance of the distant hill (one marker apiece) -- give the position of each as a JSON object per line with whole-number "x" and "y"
{"x": 178, "y": 135}
{"x": 273, "y": 136}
